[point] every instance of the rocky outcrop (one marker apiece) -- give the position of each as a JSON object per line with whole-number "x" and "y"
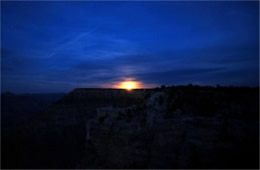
{"x": 173, "y": 127}
{"x": 144, "y": 136}
{"x": 56, "y": 137}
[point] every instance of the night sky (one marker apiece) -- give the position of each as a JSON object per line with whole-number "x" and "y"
{"x": 59, "y": 46}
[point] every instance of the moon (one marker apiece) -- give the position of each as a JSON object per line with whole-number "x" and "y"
{"x": 128, "y": 85}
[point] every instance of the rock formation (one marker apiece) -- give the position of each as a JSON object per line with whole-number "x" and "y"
{"x": 173, "y": 127}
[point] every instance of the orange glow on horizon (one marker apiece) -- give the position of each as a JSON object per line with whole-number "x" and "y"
{"x": 129, "y": 85}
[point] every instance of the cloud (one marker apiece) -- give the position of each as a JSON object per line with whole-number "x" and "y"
{"x": 161, "y": 43}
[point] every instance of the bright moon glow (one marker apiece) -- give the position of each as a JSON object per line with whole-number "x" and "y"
{"x": 128, "y": 85}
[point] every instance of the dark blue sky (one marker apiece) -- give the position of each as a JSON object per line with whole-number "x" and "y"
{"x": 59, "y": 46}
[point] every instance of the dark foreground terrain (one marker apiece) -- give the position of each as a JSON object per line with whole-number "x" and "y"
{"x": 16, "y": 109}
{"x": 173, "y": 127}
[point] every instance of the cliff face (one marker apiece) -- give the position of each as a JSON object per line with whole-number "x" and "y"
{"x": 56, "y": 138}
{"x": 177, "y": 127}
{"x": 160, "y": 134}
